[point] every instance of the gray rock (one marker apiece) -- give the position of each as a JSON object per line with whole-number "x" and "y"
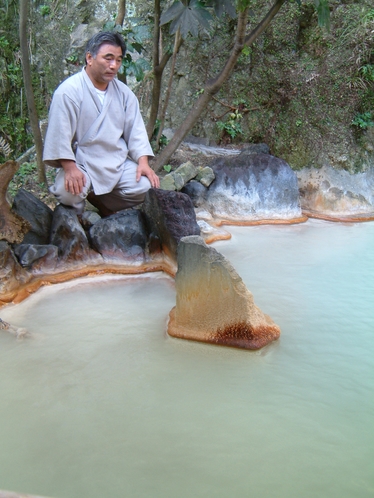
{"x": 28, "y": 254}
{"x": 196, "y": 191}
{"x": 121, "y": 236}
{"x": 177, "y": 179}
{"x": 332, "y": 192}
{"x": 89, "y": 218}
{"x": 68, "y": 235}
{"x": 167, "y": 182}
{"x": 38, "y": 214}
{"x": 170, "y": 216}
{"x": 253, "y": 187}
{"x": 205, "y": 176}
{"x": 255, "y": 149}
{"x": 213, "y": 304}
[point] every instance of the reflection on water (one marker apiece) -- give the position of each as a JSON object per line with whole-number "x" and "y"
{"x": 100, "y": 403}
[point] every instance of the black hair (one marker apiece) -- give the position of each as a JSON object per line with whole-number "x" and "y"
{"x": 94, "y": 44}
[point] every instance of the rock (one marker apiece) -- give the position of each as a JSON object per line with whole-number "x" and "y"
{"x": 169, "y": 216}
{"x": 213, "y": 305}
{"x": 89, "y": 218}
{"x": 255, "y": 149}
{"x": 121, "y": 236}
{"x": 38, "y": 214}
{"x": 45, "y": 255}
{"x": 178, "y": 178}
{"x": 12, "y": 226}
{"x": 205, "y": 176}
{"x": 253, "y": 187}
{"x": 196, "y": 191}
{"x": 336, "y": 193}
{"x": 210, "y": 233}
{"x": 167, "y": 182}
{"x": 12, "y": 275}
{"x": 68, "y": 235}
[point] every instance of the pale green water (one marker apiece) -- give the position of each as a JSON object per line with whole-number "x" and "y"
{"x": 100, "y": 403}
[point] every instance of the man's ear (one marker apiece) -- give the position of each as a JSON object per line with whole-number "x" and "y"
{"x": 89, "y": 58}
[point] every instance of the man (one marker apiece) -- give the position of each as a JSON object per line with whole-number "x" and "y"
{"x": 96, "y": 135}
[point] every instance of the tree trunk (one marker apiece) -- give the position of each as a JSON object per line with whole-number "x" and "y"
{"x": 121, "y": 12}
{"x": 214, "y": 85}
{"x": 158, "y": 69}
{"x": 27, "y": 79}
{"x": 177, "y": 44}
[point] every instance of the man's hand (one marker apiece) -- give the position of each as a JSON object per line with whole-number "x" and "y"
{"x": 75, "y": 180}
{"x": 144, "y": 169}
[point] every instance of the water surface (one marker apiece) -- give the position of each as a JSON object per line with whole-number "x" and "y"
{"x": 100, "y": 402}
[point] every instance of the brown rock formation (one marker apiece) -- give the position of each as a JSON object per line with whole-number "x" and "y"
{"x": 213, "y": 304}
{"x": 12, "y": 226}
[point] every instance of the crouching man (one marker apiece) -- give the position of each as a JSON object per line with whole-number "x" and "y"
{"x": 96, "y": 135}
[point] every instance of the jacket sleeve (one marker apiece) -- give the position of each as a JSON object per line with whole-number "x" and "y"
{"x": 62, "y": 122}
{"x": 135, "y": 133}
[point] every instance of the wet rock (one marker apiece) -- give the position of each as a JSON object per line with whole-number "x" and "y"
{"x": 213, "y": 305}
{"x": 169, "y": 216}
{"x": 336, "y": 193}
{"x": 12, "y": 275}
{"x": 120, "y": 236}
{"x": 68, "y": 235}
{"x": 253, "y": 187}
{"x": 38, "y": 214}
{"x": 29, "y": 254}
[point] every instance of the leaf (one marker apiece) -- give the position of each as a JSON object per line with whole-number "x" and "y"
{"x": 108, "y": 26}
{"x": 187, "y": 18}
{"x": 323, "y": 12}
{"x": 171, "y": 13}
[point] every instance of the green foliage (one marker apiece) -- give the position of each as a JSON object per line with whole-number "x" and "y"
{"x": 363, "y": 121}
{"x": 162, "y": 141}
{"x": 167, "y": 168}
{"x": 231, "y": 126}
{"x": 323, "y": 12}
{"x": 13, "y": 107}
{"x": 45, "y": 10}
{"x": 134, "y": 36}
{"x": 20, "y": 178}
{"x": 188, "y": 18}
{"x": 367, "y": 72}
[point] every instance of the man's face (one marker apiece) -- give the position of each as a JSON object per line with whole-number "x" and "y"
{"x": 104, "y": 67}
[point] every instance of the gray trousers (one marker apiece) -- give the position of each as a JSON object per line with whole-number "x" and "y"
{"x": 127, "y": 193}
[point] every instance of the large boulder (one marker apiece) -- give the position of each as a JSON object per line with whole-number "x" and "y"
{"x": 170, "y": 216}
{"x": 38, "y": 214}
{"x": 213, "y": 304}
{"x": 328, "y": 192}
{"x": 70, "y": 238}
{"x": 253, "y": 187}
{"x": 121, "y": 236}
